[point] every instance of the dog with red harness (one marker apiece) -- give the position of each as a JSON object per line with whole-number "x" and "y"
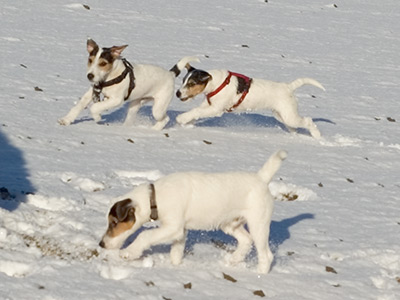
{"x": 226, "y": 91}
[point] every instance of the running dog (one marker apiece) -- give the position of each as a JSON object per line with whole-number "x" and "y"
{"x": 119, "y": 81}
{"x": 198, "y": 201}
{"x": 226, "y": 91}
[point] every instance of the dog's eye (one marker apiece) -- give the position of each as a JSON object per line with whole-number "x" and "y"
{"x": 102, "y": 64}
{"x": 190, "y": 84}
{"x": 90, "y": 61}
{"x": 113, "y": 224}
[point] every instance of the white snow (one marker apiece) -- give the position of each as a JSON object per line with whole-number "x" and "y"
{"x": 335, "y": 232}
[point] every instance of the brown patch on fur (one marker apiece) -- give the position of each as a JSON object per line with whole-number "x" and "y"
{"x": 194, "y": 90}
{"x": 91, "y": 60}
{"x": 92, "y": 47}
{"x": 243, "y": 85}
{"x": 103, "y": 64}
{"x": 117, "y": 50}
{"x": 116, "y": 228}
{"x": 120, "y": 218}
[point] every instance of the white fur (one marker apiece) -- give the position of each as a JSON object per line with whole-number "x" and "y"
{"x": 263, "y": 94}
{"x": 151, "y": 83}
{"x": 206, "y": 201}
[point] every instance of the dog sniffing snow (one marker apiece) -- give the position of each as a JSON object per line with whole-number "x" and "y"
{"x": 198, "y": 201}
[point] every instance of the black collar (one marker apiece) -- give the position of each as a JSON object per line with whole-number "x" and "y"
{"x": 153, "y": 204}
{"x": 98, "y": 87}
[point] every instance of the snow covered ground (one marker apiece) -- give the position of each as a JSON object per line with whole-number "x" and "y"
{"x": 338, "y": 239}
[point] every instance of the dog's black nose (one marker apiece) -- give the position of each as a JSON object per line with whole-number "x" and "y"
{"x": 90, "y": 76}
{"x": 101, "y": 244}
{"x": 178, "y": 93}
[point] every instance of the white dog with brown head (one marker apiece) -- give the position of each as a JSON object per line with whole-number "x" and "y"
{"x": 198, "y": 201}
{"x": 226, "y": 91}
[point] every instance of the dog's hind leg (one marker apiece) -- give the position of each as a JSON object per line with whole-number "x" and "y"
{"x": 259, "y": 230}
{"x": 133, "y": 108}
{"x": 177, "y": 250}
{"x": 312, "y": 128}
{"x": 303, "y": 122}
{"x": 291, "y": 119}
{"x": 100, "y": 107}
{"x": 244, "y": 242}
{"x": 279, "y": 118}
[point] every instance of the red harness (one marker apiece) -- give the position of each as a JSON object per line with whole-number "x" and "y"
{"x": 225, "y": 83}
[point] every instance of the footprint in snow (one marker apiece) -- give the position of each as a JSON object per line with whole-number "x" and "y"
{"x": 290, "y": 192}
{"x": 14, "y": 269}
{"x": 149, "y": 175}
{"x": 81, "y": 183}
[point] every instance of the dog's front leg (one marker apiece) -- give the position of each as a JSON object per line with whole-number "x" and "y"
{"x": 148, "y": 238}
{"x": 203, "y": 111}
{"x": 98, "y": 108}
{"x": 177, "y": 250}
{"x": 76, "y": 110}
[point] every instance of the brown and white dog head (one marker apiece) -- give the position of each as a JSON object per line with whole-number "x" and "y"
{"x": 101, "y": 61}
{"x": 126, "y": 216}
{"x": 121, "y": 220}
{"x": 193, "y": 83}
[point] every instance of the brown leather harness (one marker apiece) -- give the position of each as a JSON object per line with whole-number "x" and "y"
{"x": 153, "y": 204}
{"x": 98, "y": 87}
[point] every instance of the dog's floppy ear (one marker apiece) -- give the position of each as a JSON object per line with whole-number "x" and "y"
{"x": 116, "y": 51}
{"x": 91, "y": 46}
{"x": 202, "y": 76}
{"x": 122, "y": 209}
{"x": 207, "y": 77}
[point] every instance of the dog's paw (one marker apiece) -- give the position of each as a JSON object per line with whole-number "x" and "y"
{"x": 232, "y": 259}
{"x": 161, "y": 124}
{"x": 315, "y": 133}
{"x": 95, "y": 113}
{"x": 263, "y": 269}
{"x": 183, "y": 119}
{"x": 64, "y": 122}
{"x": 125, "y": 254}
{"x": 130, "y": 254}
{"x": 179, "y": 119}
{"x": 96, "y": 117}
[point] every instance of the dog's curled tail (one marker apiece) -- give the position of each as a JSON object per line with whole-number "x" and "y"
{"x": 182, "y": 64}
{"x": 272, "y": 165}
{"x": 302, "y": 81}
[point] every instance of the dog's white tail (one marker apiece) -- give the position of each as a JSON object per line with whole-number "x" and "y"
{"x": 182, "y": 64}
{"x": 272, "y": 165}
{"x": 302, "y": 81}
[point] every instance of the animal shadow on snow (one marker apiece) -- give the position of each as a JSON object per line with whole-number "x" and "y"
{"x": 244, "y": 119}
{"x": 226, "y": 120}
{"x": 280, "y": 232}
{"x": 144, "y": 115}
{"x": 14, "y": 176}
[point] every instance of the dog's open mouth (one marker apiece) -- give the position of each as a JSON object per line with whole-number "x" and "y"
{"x": 185, "y": 98}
